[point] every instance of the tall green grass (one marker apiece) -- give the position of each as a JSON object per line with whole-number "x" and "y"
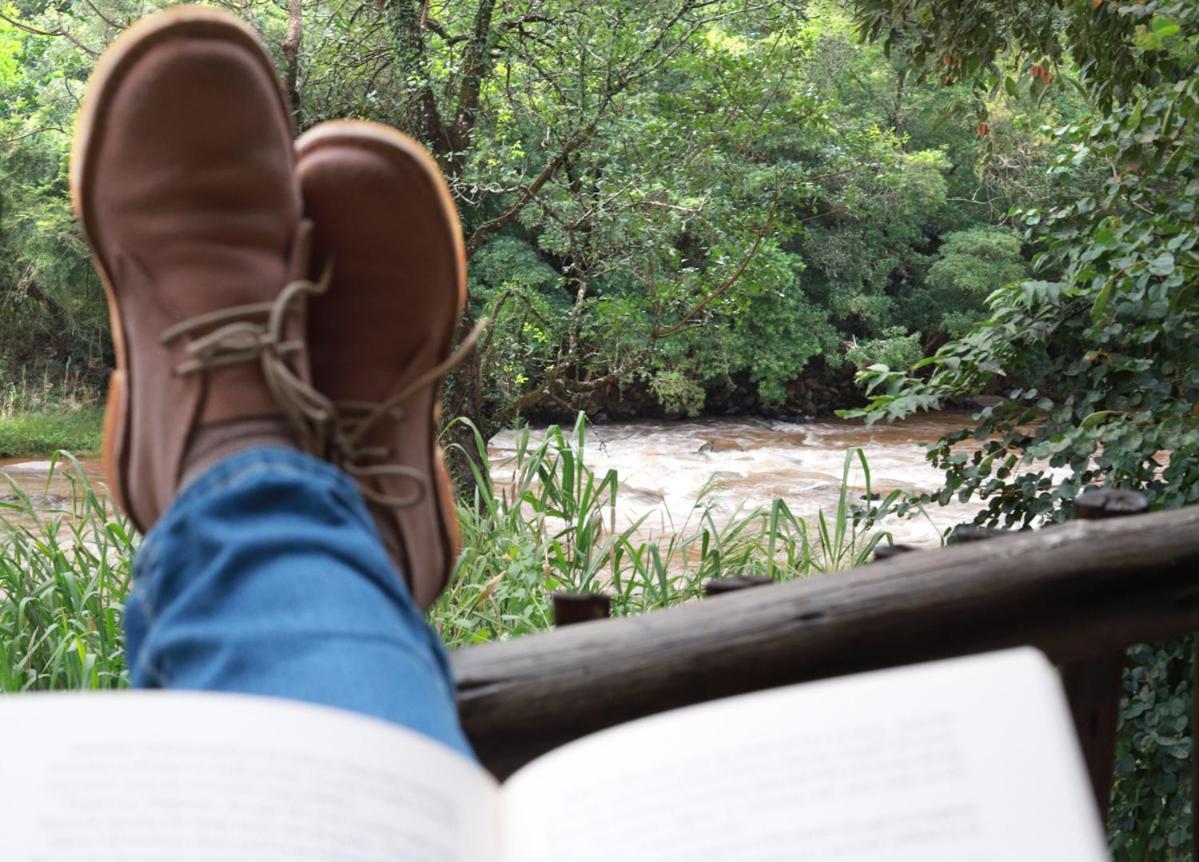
{"x": 65, "y": 572}
{"x": 64, "y": 575}
{"x": 30, "y": 434}
{"x": 556, "y": 529}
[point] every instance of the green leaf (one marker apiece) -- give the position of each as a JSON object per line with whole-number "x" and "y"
{"x": 1096, "y": 418}
{"x": 1163, "y": 27}
{"x": 1105, "y": 238}
{"x": 1163, "y": 264}
{"x": 1102, "y": 300}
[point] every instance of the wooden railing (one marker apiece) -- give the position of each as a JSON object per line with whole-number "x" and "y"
{"x": 1081, "y": 592}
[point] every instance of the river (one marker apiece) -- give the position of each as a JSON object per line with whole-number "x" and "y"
{"x": 664, "y": 466}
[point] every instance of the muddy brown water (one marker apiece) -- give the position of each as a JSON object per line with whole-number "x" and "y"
{"x": 46, "y": 489}
{"x": 664, "y": 466}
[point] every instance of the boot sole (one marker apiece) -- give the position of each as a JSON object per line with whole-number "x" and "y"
{"x": 131, "y": 45}
{"x": 396, "y": 144}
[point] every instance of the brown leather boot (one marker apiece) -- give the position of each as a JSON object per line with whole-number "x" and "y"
{"x": 182, "y": 174}
{"x": 380, "y": 339}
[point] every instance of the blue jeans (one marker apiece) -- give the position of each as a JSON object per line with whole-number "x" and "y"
{"x": 267, "y": 576}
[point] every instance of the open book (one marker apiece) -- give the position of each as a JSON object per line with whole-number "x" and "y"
{"x": 968, "y": 760}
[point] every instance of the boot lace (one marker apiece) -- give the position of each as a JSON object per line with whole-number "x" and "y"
{"x": 256, "y": 333}
{"x": 355, "y": 420}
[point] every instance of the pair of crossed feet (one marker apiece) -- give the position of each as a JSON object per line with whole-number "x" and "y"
{"x": 262, "y": 291}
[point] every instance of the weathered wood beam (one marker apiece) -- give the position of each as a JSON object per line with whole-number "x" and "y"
{"x": 1077, "y": 591}
{"x": 573, "y": 608}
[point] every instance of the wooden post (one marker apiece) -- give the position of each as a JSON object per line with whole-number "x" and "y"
{"x": 1194, "y": 754}
{"x": 886, "y": 552}
{"x": 720, "y": 586}
{"x": 1094, "y": 685}
{"x": 971, "y": 533}
{"x": 571, "y": 608}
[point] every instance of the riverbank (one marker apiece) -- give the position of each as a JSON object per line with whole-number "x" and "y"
{"x": 548, "y": 521}
{"x": 25, "y": 434}
{"x": 732, "y": 465}
{"x": 645, "y": 510}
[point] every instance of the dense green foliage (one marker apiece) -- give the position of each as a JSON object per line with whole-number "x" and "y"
{"x": 1151, "y": 808}
{"x": 1103, "y": 348}
{"x": 671, "y": 206}
{"x": 1098, "y": 359}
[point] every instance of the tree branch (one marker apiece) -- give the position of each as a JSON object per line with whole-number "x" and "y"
{"x": 637, "y": 68}
{"x": 530, "y": 191}
{"x": 726, "y": 285}
{"x": 441, "y": 32}
{"x": 63, "y": 34}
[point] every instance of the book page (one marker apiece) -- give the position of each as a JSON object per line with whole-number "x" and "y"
{"x": 141, "y": 776}
{"x": 968, "y": 760}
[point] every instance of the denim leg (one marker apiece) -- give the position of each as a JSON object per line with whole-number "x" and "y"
{"x": 267, "y": 576}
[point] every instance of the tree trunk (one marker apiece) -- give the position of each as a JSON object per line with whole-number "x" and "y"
{"x": 291, "y": 58}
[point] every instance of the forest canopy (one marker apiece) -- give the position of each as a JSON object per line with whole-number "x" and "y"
{"x": 670, "y": 207}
